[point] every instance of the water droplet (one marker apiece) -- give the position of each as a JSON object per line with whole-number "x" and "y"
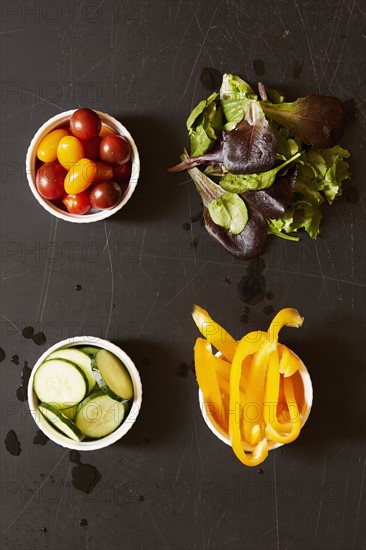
{"x": 227, "y": 281}
{"x": 244, "y": 318}
{"x": 183, "y": 370}
{"x": 83, "y": 522}
{"x": 39, "y": 338}
{"x": 77, "y": 288}
{"x": 141, "y": 498}
{"x": 268, "y": 310}
{"x": 44, "y": 529}
{"x": 15, "y": 359}
{"x": 28, "y": 332}
{"x": 260, "y": 471}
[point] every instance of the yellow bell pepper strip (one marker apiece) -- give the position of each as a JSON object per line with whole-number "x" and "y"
{"x": 214, "y": 333}
{"x": 207, "y": 380}
{"x": 254, "y": 392}
{"x": 271, "y": 395}
{"x": 288, "y": 317}
{"x": 289, "y": 362}
{"x": 294, "y": 417}
{"x": 260, "y": 452}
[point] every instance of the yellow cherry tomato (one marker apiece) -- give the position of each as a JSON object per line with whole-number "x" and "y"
{"x": 80, "y": 176}
{"x": 69, "y": 151}
{"x": 47, "y": 149}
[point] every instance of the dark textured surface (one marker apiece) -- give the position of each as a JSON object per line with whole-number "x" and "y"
{"x": 170, "y": 483}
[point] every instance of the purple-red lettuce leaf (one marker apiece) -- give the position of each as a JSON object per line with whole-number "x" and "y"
{"x": 249, "y": 148}
{"x": 317, "y": 120}
{"x": 274, "y": 201}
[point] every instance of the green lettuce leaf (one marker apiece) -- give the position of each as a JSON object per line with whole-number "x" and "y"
{"x": 229, "y": 211}
{"x": 204, "y": 126}
{"x": 239, "y": 183}
{"x": 234, "y": 95}
{"x": 304, "y": 213}
{"x": 325, "y": 170}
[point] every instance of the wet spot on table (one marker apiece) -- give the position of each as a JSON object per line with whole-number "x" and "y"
{"x": 22, "y": 391}
{"x": 186, "y": 226}
{"x": 352, "y": 194}
{"x": 85, "y": 477}
{"x": 12, "y": 443}
{"x": 40, "y": 438}
{"x": 194, "y": 244}
{"x": 252, "y": 287}
{"x": 2, "y": 354}
{"x": 268, "y": 310}
{"x": 227, "y": 281}
{"x": 211, "y": 78}
{"x": 39, "y": 338}
{"x": 198, "y": 218}
{"x": 258, "y": 66}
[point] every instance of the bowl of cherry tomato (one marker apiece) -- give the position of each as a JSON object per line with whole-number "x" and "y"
{"x": 82, "y": 165}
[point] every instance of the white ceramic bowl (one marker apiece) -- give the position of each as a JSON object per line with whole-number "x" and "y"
{"x": 94, "y": 215}
{"x": 308, "y": 401}
{"x": 128, "y": 422}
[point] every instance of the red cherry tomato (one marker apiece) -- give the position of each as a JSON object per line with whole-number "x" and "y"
{"x": 50, "y": 180}
{"x": 122, "y": 172}
{"x": 105, "y": 194}
{"x": 78, "y": 204}
{"x": 104, "y": 172}
{"x": 85, "y": 124}
{"x": 91, "y": 147}
{"x": 115, "y": 150}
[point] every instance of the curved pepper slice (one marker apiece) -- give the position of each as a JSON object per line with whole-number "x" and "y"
{"x": 271, "y": 395}
{"x": 294, "y": 417}
{"x": 260, "y": 452}
{"x": 254, "y": 394}
{"x": 288, "y": 317}
{"x": 214, "y": 333}
{"x": 207, "y": 380}
{"x": 289, "y": 362}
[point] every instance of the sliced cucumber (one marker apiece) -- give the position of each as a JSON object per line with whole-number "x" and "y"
{"x": 80, "y": 359}
{"x": 112, "y": 376}
{"x": 60, "y": 382}
{"x": 61, "y": 422}
{"x": 70, "y": 412}
{"x": 90, "y": 350}
{"x": 99, "y": 415}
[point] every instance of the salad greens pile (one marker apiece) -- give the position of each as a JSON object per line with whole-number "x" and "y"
{"x": 273, "y": 162}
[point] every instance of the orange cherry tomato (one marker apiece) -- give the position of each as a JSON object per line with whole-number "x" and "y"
{"x": 69, "y": 151}
{"x": 106, "y": 131}
{"x": 47, "y": 149}
{"x": 80, "y": 176}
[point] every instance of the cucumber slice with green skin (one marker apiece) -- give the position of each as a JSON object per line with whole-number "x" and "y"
{"x": 80, "y": 359}
{"x": 112, "y": 376}
{"x": 90, "y": 350}
{"x": 60, "y": 382}
{"x": 61, "y": 422}
{"x": 70, "y": 412}
{"x": 99, "y": 415}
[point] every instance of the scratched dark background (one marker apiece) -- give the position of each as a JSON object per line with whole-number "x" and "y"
{"x": 170, "y": 484}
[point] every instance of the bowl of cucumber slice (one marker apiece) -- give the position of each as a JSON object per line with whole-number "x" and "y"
{"x": 84, "y": 393}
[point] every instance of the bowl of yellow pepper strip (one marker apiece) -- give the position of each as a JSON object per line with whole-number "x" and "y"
{"x": 255, "y": 394}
